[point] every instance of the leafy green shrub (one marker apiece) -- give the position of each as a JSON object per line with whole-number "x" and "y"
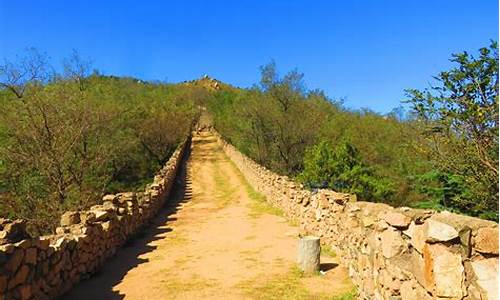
{"x": 340, "y": 168}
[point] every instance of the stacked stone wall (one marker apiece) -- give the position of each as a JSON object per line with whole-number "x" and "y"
{"x": 392, "y": 253}
{"x": 47, "y": 266}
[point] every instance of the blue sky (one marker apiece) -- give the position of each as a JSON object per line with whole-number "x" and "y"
{"x": 367, "y": 52}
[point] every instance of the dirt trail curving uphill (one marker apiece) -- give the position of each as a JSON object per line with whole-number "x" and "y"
{"x": 216, "y": 240}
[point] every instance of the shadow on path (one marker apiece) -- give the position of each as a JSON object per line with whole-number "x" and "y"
{"x": 100, "y": 285}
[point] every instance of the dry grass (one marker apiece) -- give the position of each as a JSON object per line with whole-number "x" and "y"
{"x": 174, "y": 287}
{"x": 327, "y": 251}
{"x": 287, "y": 286}
{"x": 224, "y": 191}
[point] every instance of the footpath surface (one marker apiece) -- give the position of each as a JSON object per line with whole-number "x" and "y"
{"x": 217, "y": 239}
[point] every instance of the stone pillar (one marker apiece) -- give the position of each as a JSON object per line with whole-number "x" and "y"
{"x": 308, "y": 254}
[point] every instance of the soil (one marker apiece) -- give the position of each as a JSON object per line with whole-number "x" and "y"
{"x": 208, "y": 243}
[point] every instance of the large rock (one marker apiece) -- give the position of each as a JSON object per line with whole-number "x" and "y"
{"x": 13, "y": 232}
{"x": 20, "y": 277}
{"x": 443, "y": 271}
{"x": 3, "y": 283}
{"x": 436, "y": 231}
{"x": 104, "y": 215}
{"x": 30, "y": 256}
{"x": 392, "y": 243}
{"x": 397, "y": 220}
{"x": 413, "y": 291}
{"x": 70, "y": 218}
{"x": 486, "y": 240}
{"x": 15, "y": 260}
{"x": 486, "y": 271}
{"x": 417, "y": 236}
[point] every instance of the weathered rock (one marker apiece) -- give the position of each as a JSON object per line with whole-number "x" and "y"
{"x": 417, "y": 237}
{"x": 391, "y": 242}
{"x": 443, "y": 271}
{"x": 3, "y": 283}
{"x": 111, "y": 198}
{"x": 486, "y": 240}
{"x": 70, "y": 218}
{"x": 465, "y": 241}
{"x": 14, "y": 261}
{"x": 20, "y": 277}
{"x": 486, "y": 271}
{"x": 25, "y": 292}
{"x": 436, "y": 231}
{"x": 13, "y": 232}
{"x": 103, "y": 215}
{"x": 30, "y": 256}
{"x": 397, "y": 220}
{"x": 88, "y": 217}
{"x": 412, "y": 291}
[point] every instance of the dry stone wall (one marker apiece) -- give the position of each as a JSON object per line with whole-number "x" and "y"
{"x": 47, "y": 266}
{"x": 391, "y": 253}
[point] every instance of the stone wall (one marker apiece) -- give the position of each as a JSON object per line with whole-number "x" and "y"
{"x": 47, "y": 266}
{"x": 391, "y": 253}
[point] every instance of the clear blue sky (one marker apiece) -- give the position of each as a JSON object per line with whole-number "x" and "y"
{"x": 365, "y": 51}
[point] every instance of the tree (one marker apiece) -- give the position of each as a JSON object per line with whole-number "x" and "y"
{"x": 340, "y": 168}
{"x": 29, "y": 69}
{"x": 77, "y": 69}
{"x": 459, "y": 125}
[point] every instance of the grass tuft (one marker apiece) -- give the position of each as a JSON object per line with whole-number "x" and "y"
{"x": 328, "y": 251}
{"x": 224, "y": 191}
{"x": 287, "y": 286}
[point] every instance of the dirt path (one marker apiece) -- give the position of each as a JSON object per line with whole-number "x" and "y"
{"x": 217, "y": 240}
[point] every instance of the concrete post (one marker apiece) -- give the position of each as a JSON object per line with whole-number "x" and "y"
{"x": 308, "y": 254}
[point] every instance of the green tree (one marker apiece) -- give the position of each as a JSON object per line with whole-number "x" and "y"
{"x": 340, "y": 168}
{"x": 458, "y": 119}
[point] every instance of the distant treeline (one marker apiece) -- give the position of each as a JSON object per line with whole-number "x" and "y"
{"x": 66, "y": 139}
{"x": 442, "y": 154}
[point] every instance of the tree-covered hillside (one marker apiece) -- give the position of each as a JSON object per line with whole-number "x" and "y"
{"x": 442, "y": 154}
{"x": 67, "y": 139}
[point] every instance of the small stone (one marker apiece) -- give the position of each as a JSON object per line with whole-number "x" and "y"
{"x": 381, "y": 225}
{"x": 102, "y": 215}
{"x": 435, "y": 231}
{"x": 110, "y": 197}
{"x": 397, "y": 220}
{"x": 7, "y": 248}
{"x": 70, "y": 218}
{"x": 486, "y": 271}
{"x": 465, "y": 240}
{"x": 486, "y": 240}
{"x": 87, "y": 217}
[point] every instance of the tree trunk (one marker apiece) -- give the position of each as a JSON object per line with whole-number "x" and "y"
{"x": 308, "y": 254}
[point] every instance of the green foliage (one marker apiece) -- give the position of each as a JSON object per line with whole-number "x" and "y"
{"x": 274, "y": 123}
{"x": 66, "y": 142}
{"x": 340, "y": 168}
{"x": 458, "y": 124}
{"x": 444, "y": 155}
